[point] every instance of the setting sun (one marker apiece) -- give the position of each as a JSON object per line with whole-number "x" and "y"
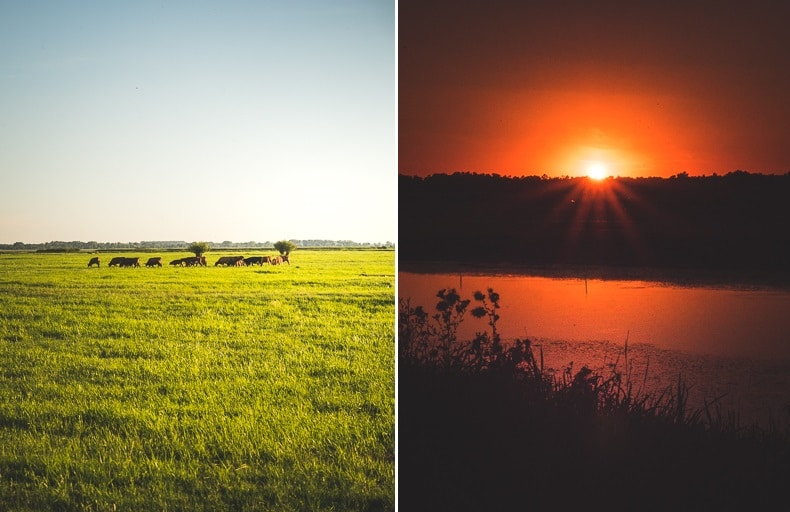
{"x": 597, "y": 171}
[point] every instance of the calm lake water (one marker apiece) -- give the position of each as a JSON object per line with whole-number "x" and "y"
{"x": 724, "y": 341}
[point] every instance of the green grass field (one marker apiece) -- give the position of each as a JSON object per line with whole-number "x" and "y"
{"x": 253, "y": 388}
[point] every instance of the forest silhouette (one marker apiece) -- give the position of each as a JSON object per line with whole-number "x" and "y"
{"x": 737, "y": 220}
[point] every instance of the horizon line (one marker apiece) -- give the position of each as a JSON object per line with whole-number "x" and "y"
{"x": 184, "y": 242}
{"x": 714, "y": 174}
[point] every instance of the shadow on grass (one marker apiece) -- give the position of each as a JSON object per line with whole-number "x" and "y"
{"x": 483, "y": 426}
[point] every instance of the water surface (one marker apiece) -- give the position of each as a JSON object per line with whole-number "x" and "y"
{"x": 728, "y": 342}
{"x": 702, "y": 320}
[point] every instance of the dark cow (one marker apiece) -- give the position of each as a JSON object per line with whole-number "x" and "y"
{"x": 284, "y": 258}
{"x": 120, "y": 261}
{"x": 224, "y": 260}
{"x": 191, "y": 261}
{"x": 94, "y": 261}
{"x": 116, "y": 261}
{"x": 194, "y": 261}
{"x": 230, "y": 261}
{"x": 130, "y": 262}
{"x": 154, "y": 262}
{"x": 256, "y": 260}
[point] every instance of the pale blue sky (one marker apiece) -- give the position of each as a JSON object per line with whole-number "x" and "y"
{"x": 126, "y": 121}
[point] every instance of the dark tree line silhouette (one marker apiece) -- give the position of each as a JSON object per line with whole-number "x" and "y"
{"x": 738, "y": 220}
{"x": 77, "y": 245}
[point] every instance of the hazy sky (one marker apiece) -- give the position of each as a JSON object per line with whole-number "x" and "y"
{"x": 646, "y": 88}
{"x": 257, "y": 120}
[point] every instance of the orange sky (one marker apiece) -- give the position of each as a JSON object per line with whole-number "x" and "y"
{"x": 649, "y": 89}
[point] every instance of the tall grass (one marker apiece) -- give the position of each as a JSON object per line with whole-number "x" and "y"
{"x": 484, "y": 425}
{"x": 259, "y": 388}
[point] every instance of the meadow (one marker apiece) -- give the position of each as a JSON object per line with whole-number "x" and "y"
{"x": 197, "y": 388}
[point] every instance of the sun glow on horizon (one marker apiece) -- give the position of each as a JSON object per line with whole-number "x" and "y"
{"x": 597, "y": 171}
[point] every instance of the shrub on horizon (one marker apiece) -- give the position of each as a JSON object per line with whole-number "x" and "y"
{"x": 285, "y": 247}
{"x": 199, "y": 248}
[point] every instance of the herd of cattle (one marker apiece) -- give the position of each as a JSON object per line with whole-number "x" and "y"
{"x": 194, "y": 261}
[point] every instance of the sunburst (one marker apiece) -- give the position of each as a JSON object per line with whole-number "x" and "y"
{"x": 596, "y": 210}
{"x": 597, "y": 171}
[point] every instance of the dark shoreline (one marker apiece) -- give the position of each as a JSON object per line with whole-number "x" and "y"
{"x": 741, "y": 279}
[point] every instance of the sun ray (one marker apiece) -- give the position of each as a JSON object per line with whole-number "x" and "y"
{"x": 580, "y": 218}
{"x": 630, "y": 230}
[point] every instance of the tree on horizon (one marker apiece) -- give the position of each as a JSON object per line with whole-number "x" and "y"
{"x": 199, "y": 248}
{"x": 285, "y": 247}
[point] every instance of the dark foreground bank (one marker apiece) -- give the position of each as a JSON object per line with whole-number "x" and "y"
{"x": 486, "y": 427}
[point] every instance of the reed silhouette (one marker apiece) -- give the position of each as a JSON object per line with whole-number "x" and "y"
{"x": 483, "y": 425}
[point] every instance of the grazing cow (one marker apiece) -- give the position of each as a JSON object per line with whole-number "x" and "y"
{"x": 94, "y": 261}
{"x": 178, "y": 263}
{"x": 256, "y": 260}
{"x": 116, "y": 261}
{"x": 194, "y": 261}
{"x": 154, "y": 262}
{"x": 275, "y": 260}
{"x": 284, "y": 258}
{"x": 130, "y": 262}
{"x": 230, "y": 261}
{"x": 224, "y": 260}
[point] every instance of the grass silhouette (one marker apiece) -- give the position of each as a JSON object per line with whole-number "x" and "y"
{"x": 484, "y": 426}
